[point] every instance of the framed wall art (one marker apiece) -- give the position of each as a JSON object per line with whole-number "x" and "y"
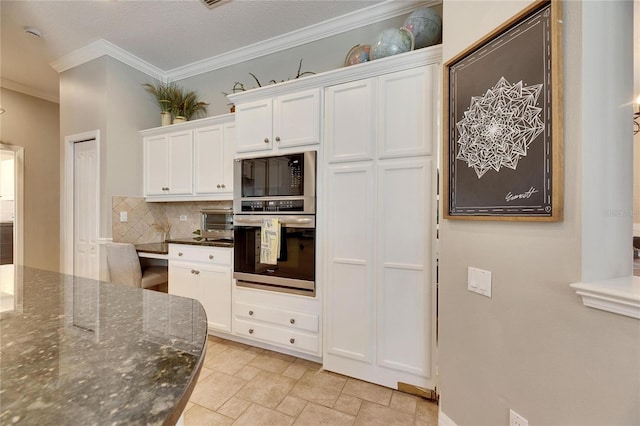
{"x": 502, "y": 151}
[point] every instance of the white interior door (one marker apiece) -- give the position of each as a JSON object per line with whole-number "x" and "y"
{"x": 85, "y": 209}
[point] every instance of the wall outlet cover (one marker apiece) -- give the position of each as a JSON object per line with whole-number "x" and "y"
{"x": 516, "y": 419}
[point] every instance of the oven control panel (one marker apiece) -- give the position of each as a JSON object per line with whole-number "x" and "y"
{"x": 295, "y": 205}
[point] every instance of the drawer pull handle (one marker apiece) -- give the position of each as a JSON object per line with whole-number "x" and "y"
{"x": 211, "y": 256}
{"x": 292, "y": 321}
{"x": 277, "y": 138}
{"x": 218, "y": 186}
{"x": 266, "y": 140}
{"x": 251, "y": 331}
{"x": 193, "y": 271}
{"x": 292, "y": 340}
{"x": 250, "y": 312}
{"x": 180, "y": 254}
{"x": 223, "y": 185}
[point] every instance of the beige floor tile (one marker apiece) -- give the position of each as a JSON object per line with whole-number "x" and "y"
{"x": 247, "y": 372}
{"x": 256, "y": 415}
{"x": 229, "y": 361}
{"x": 295, "y": 371}
{"x": 269, "y": 363}
{"x": 215, "y": 390}
{"x": 255, "y": 350}
{"x": 279, "y": 355}
{"x": 372, "y": 414}
{"x": 348, "y": 404}
{"x": 319, "y": 387}
{"x": 204, "y": 373}
{"x": 309, "y": 364}
{"x": 214, "y": 339}
{"x": 267, "y": 389}
{"x": 234, "y": 407}
{"x": 426, "y": 413}
{"x": 291, "y": 405}
{"x": 214, "y": 349}
{"x": 368, "y": 391}
{"x": 317, "y": 415}
{"x": 189, "y": 405}
{"x": 235, "y": 345}
{"x": 403, "y": 402}
{"x": 200, "y": 416}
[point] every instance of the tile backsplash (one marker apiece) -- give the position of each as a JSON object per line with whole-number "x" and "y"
{"x": 146, "y": 222}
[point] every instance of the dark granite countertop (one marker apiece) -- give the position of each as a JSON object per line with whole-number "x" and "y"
{"x": 76, "y": 351}
{"x": 199, "y": 241}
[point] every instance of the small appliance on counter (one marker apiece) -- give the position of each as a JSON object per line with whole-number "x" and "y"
{"x": 217, "y": 224}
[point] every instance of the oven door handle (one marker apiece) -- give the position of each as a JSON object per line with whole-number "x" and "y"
{"x": 301, "y": 221}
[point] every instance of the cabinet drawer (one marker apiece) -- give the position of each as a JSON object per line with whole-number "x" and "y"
{"x": 291, "y": 319}
{"x": 210, "y": 255}
{"x": 288, "y": 338}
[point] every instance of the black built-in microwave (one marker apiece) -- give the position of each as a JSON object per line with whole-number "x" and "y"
{"x": 284, "y": 184}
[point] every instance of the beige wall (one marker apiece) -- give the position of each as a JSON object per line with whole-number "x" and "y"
{"x": 533, "y": 347}
{"x": 33, "y": 124}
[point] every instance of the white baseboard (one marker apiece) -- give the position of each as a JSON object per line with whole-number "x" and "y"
{"x": 444, "y": 420}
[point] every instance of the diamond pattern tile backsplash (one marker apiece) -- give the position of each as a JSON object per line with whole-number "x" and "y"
{"x": 155, "y": 222}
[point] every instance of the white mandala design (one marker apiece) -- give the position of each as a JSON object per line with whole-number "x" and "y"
{"x": 498, "y": 127}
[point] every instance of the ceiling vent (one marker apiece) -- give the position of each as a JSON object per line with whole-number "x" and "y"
{"x": 214, "y": 3}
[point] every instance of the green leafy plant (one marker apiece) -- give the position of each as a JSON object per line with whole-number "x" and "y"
{"x": 164, "y": 93}
{"x": 188, "y": 105}
{"x": 239, "y": 87}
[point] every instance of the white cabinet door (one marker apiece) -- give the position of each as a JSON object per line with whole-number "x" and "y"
{"x": 156, "y": 165}
{"x": 406, "y": 282}
{"x": 254, "y": 126}
{"x": 350, "y": 115}
{"x": 208, "y": 284}
{"x": 350, "y": 297}
{"x": 229, "y": 154}
{"x": 296, "y": 119}
{"x": 407, "y": 101}
{"x": 209, "y": 158}
{"x": 180, "y": 163}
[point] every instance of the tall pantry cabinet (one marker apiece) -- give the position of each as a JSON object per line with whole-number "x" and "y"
{"x": 380, "y": 142}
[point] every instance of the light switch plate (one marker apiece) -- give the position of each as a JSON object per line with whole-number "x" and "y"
{"x": 123, "y": 216}
{"x": 183, "y": 218}
{"x": 479, "y": 281}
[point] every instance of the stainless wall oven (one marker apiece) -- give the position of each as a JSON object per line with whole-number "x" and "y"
{"x": 275, "y": 191}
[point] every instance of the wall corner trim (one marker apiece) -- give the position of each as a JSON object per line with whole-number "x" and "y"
{"x": 620, "y": 296}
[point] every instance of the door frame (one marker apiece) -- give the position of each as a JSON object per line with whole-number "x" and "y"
{"x": 18, "y": 206}
{"x": 66, "y": 207}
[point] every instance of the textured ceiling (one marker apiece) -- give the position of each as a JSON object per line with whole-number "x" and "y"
{"x": 166, "y": 34}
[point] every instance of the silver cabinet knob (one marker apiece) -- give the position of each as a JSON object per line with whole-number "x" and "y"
{"x": 266, "y": 140}
{"x": 292, "y": 321}
{"x": 223, "y": 185}
{"x": 180, "y": 254}
{"x": 218, "y": 185}
{"x": 292, "y": 340}
{"x": 194, "y": 272}
{"x": 211, "y": 256}
{"x": 251, "y": 331}
{"x": 250, "y": 313}
{"x": 277, "y": 138}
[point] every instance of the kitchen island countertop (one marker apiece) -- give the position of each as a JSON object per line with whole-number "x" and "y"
{"x": 77, "y": 351}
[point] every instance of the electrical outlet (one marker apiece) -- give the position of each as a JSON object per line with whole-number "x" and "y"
{"x": 183, "y": 218}
{"x": 516, "y": 419}
{"x": 123, "y": 216}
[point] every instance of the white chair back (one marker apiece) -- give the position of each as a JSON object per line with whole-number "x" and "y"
{"x": 124, "y": 264}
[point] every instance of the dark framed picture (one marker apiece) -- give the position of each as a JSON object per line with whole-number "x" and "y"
{"x": 502, "y": 151}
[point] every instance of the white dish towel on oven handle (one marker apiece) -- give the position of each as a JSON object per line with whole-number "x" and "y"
{"x": 269, "y": 241}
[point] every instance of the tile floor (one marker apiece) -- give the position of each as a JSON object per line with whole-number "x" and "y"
{"x": 245, "y": 385}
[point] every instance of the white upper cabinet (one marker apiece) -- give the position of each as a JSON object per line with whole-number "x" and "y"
{"x": 213, "y": 159}
{"x": 190, "y": 164}
{"x": 167, "y": 164}
{"x": 278, "y": 123}
{"x": 350, "y": 116}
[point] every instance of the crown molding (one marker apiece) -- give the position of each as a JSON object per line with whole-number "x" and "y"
{"x": 101, "y": 48}
{"x": 351, "y": 21}
{"x": 31, "y": 91}
{"x": 341, "y": 24}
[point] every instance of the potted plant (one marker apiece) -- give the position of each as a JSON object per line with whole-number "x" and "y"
{"x": 187, "y": 105}
{"x": 165, "y": 94}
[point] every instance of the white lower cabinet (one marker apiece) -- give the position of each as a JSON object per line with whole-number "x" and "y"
{"x": 203, "y": 273}
{"x": 286, "y": 321}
